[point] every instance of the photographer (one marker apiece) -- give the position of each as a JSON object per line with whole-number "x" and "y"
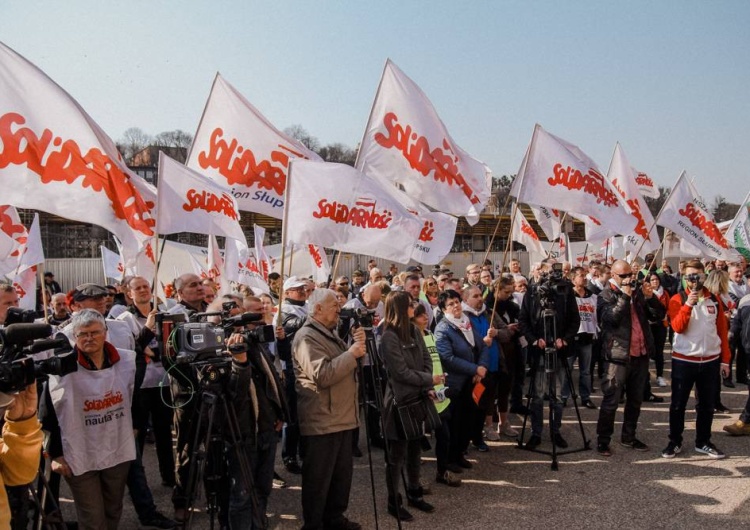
{"x": 328, "y": 413}
{"x": 261, "y": 412}
{"x": 624, "y": 310}
{"x": 20, "y": 445}
{"x": 554, "y": 292}
{"x": 291, "y": 318}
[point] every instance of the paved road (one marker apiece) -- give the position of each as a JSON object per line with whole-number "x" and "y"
{"x": 512, "y": 488}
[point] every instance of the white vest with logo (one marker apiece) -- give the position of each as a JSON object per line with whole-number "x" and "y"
{"x": 700, "y": 339}
{"x": 93, "y": 410}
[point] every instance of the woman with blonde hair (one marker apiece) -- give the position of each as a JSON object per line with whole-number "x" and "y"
{"x": 717, "y": 282}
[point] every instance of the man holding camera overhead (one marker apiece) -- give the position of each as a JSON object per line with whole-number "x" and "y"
{"x": 624, "y": 311}
{"x": 700, "y": 351}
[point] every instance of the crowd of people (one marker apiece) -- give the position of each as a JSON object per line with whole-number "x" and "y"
{"x": 390, "y": 360}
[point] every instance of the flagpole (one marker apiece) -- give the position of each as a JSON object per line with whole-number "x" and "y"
{"x": 284, "y": 233}
{"x": 497, "y": 227}
{"x": 157, "y": 261}
{"x": 44, "y": 294}
{"x": 369, "y": 118}
{"x": 510, "y": 238}
{"x": 562, "y": 230}
{"x": 585, "y": 251}
{"x": 203, "y": 115}
{"x": 335, "y": 266}
{"x": 643, "y": 242}
{"x": 291, "y": 258}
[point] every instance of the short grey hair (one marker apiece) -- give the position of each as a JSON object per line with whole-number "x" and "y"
{"x": 318, "y": 296}
{"x": 57, "y": 296}
{"x": 86, "y": 317}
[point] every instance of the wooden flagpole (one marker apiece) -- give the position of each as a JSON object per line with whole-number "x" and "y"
{"x": 284, "y": 233}
{"x": 44, "y": 293}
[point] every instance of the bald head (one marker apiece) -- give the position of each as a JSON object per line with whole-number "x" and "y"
{"x": 372, "y": 295}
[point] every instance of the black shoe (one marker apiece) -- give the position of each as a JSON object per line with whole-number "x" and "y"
{"x": 344, "y": 524}
{"x": 415, "y": 498}
{"x": 168, "y": 482}
{"x": 357, "y": 452}
{"x": 534, "y": 442}
{"x": 564, "y": 403}
{"x": 424, "y": 444}
{"x": 454, "y": 468}
{"x": 377, "y": 442}
{"x": 521, "y": 410}
{"x": 603, "y": 449}
{"x": 464, "y": 463}
{"x": 719, "y": 407}
{"x": 728, "y": 383}
{"x": 159, "y": 521}
{"x": 634, "y": 444}
{"x": 291, "y": 465}
{"x": 655, "y": 399}
{"x": 559, "y": 441}
{"x": 589, "y": 404}
{"x": 397, "y": 510}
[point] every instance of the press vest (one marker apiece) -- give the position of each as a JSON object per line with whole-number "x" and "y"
{"x": 437, "y": 369}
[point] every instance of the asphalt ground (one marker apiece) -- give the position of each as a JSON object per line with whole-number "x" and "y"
{"x": 513, "y": 488}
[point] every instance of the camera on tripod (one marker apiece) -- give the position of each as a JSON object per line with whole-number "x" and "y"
{"x": 362, "y": 316}
{"x": 551, "y": 284}
{"x": 18, "y": 342}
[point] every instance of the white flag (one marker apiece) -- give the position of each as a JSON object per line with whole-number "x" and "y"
{"x": 32, "y": 252}
{"x": 55, "y": 158}
{"x": 265, "y": 263}
{"x": 566, "y": 252}
{"x": 13, "y": 236}
{"x": 406, "y": 143}
{"x": 25, "y": 284}
{"x": 689, "y": 218}
{"x": 738, "y": 232}
{"x": 319, "y": 263}
{"x": 634, "y": 226}
{"x": 215, "y": 259}
{"x": 238, "y": 147}
{"x": 199, "y": 269}
{"x": 241, "y": 266}
{"x": 557, "y": 174}
{"x": 646, "y": 184}
{"x": 336, "y": 206}
{"x": 112, "y": 263}
{"x": 523, "y": 233}
{"x": 190, "y": 202}
{"x": 549, "y": 221}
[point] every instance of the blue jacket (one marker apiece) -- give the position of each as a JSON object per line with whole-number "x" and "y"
{"x": 480, "y": 323}
{"x": 459, "y": 359}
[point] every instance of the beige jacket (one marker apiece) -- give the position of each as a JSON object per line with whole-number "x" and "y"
{"x": 326, "y": 381}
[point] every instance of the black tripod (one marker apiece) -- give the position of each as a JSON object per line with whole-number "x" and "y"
{"x": 377, "y": 382}
{"x": 551, "y": 359}
{"x": 213, "y": 444}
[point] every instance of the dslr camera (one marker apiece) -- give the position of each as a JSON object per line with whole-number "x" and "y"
{"x": 362, "y": 316}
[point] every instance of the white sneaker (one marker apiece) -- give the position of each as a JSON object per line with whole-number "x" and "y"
{"x": 661, "y": 381}
{"x": 506, "y": 429}
{"x": 490, "y": 433}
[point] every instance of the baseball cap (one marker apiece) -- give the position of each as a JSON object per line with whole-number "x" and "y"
{"x": 293, "y": 283}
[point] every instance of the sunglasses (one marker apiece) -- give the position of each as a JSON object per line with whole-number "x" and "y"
{"x": 623, "y": 276}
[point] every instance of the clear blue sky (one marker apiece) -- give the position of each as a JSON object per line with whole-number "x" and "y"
{"x": 670, "y": 80}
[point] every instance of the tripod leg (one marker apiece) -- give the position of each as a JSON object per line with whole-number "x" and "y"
{"x": 569, "y": 377}
{"x": 365, "y": 408}
{"x": 529, "y": 395}
{"x": 198, "y": 456}
{"x": 552, "y": 394}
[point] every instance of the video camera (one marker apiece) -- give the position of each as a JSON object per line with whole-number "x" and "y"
{"x": 197, "y": 341}
{"x": 552, "y": 284}
{"x": 362, "y": 316}
{"x": 18, "y": 342}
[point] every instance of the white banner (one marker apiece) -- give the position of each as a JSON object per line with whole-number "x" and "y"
{"x": 523, "y": 233}
{"x": 55, "y": 158}
{"x": 25, "y": 285}
{"x": 557, "y": 174}
{"x": 548, "y": 220}
{"x": 190, "y": 202}
{"x": 238, "y": 147}
{"x": 336, "y": 206}
{"x": 319, "y": 263}
{"x": 241, "y": 266}
{"x": 646, "y": 185}
{"x": 112, "y": 263}
{"x": 689, "y": 218}
{"x": 13, "y": 239}
{"x": 738, "y": 233}
{"x": 31, "y": 251}
{"x": 406, "y": 143}
{"x": 265, "y": 264}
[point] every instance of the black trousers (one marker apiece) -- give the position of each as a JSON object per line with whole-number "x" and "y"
{"x": 461, "y": 412}
{"x": 633, "y": 376}
{"x": 326, "y": 478}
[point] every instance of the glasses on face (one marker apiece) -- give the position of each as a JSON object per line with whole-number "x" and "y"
{"x": 474, "y": 272}
{"x": 90, "y": 334}
{"x": 431, "y": 284}
{"x": 343, "y": 284}
{"x": 623, "y": 276}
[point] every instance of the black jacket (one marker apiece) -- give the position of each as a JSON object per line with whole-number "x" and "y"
{"x": 567, "y": 319}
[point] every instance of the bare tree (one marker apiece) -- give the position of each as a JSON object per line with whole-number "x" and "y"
{"x": 132, "y": 141}
{"x": 723, "y": 210}
{"x": 654, "y": 205}
{"x": 338, "y": 152}
{"x": 300, "y": 133}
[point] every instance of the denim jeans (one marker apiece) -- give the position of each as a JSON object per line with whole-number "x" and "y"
{"x": 704, "y": 377}
{"x": 261, "y": 457}
{"x": 582, "y": 352}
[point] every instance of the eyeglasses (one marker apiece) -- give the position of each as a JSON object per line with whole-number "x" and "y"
{"x": 431, "y": 284}
{"x": 90, "y": 334}
{"x": 343, "y": 284}
{"x": 623, "y": 276}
